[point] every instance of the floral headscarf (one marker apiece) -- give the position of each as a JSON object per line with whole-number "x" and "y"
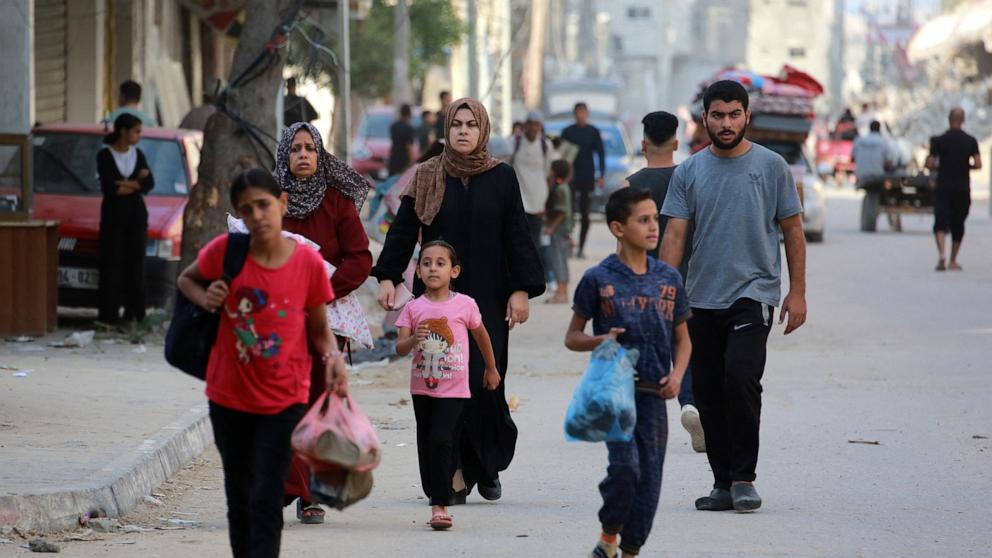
{"x": 427, "y": 187}
{"x": 306, "y": 194}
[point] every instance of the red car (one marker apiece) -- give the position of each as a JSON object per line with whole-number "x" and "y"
{"x": 66, "y": 189}
{"x": 370, "y": 150}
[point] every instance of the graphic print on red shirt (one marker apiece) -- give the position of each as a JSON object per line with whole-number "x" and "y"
{"x": 259, "y": 362}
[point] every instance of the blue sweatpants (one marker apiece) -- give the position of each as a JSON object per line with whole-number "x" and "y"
{"x": 633, "y": 479}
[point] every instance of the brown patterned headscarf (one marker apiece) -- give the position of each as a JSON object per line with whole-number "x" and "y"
{"x": 427, "y": 186}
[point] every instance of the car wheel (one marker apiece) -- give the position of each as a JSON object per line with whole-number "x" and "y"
{"x": 814, "y": 236}
{"x": 870, "y": 206}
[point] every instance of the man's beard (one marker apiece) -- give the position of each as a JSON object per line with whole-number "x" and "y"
{"x": 720, "y": 144}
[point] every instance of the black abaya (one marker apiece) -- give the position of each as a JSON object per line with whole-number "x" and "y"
{"x": 485, "y": 222}
{"x": 123, "y": 240}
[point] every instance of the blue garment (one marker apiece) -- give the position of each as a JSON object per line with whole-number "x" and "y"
{"x": 648, "y": 306}
{"x": 632, "y": 485}
{"x": 145, "y": 119}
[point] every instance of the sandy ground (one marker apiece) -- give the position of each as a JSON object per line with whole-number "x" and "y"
{"x": 893, "y": 353}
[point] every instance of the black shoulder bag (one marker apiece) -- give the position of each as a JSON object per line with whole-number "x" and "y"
{"x": 193, "y": 329}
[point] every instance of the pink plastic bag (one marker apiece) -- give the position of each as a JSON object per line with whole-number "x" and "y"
{"x": 335, "y": 432}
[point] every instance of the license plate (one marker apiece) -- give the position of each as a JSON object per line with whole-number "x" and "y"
{"x": 78, "y": 278}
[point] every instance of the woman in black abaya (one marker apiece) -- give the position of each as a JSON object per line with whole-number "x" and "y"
{"x": 471, "y": 200}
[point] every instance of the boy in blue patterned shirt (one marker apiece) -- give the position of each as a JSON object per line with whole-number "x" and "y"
{"x": 640, "y": 302}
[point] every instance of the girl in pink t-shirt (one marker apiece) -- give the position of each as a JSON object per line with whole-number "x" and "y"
{"x": 435, "y": 327}
{"x": 258, "y": 376}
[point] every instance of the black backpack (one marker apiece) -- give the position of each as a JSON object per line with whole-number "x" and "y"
{"x": 193, "y": 329}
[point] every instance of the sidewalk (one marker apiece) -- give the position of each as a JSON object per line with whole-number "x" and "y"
{"x": 90, "y": 428}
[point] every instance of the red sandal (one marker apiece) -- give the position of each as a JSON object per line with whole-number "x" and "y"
{"x": 440, "y": 521}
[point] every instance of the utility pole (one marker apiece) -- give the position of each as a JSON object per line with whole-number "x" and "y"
{"x": 344, "y": 8}
{"x": 534, "y": 71}
{"x": 473, "y": 51}
{"x": 401, "y": 53}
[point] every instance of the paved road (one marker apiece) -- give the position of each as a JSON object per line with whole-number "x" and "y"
{"x": 893, "y": 353}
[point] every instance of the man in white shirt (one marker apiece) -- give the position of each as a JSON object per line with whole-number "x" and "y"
{"x": 532, "y": 156}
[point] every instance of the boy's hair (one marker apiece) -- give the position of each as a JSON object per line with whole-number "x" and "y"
{"x": 561, "y": 169}
{"x": 130, "y": 91}
{"x": 660, "y": 127}
{"x": 726, "y": 90}
{"x": 452, "y": 255}
{"x": 621, "y": 203}
{"x": 253, "y": 178}
{"x": 580, "y": 106}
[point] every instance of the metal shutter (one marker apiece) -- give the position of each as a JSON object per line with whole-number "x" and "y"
{"x": 49, "y": 61}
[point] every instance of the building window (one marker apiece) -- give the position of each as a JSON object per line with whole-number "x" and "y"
{"x": 799, "y": 3}
{"x": 797, "y": 52}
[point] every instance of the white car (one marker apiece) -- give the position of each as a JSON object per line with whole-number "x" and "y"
{"x": 810, "y": 187}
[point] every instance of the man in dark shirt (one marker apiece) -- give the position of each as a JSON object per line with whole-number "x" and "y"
{"x": 953, "y": 156}
{"x": 659, "y": 146}
{"x": 426, "y": 134}
{"x": 402, "y": 135}
{"x": 439, "y": 131}
{"x": 587, "y": 138}
{"x": 296, "y": 108}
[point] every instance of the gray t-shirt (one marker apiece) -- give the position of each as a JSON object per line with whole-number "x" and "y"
{"x": 870, "y": 154}
{"x": 735, "y": 204}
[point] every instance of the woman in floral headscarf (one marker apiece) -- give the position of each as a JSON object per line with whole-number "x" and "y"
{"x": 472, "y": 200}
{"x": 325, "y": 196}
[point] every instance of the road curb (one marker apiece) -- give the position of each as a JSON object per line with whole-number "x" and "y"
{"x": 119, "y": 486}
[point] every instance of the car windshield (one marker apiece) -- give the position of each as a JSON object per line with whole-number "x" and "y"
{"x": 65, "y": 164}
{"x": 376, "y": 125}
{"x": 613, "y": 141}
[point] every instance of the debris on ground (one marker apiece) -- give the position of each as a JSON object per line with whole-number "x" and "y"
{"x": 21, "y": 339}
{"x": 140, "y": 349}
{"x": 979, "y": 437}
{"x": 103, "y": 524}
{"x": 22, "y": 373}
{"x": 153, "y": 501}
{"x": 401, "y": 403}
{"x": 39, "y": 545}
{"x": 866, "y": 442}
{"x": 78, "y": 339}
{"x": 513, "y": 403}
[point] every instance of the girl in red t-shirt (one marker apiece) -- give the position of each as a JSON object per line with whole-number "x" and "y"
{"x": 258, "y": 376}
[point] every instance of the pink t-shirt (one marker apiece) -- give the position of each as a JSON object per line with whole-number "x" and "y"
{"x": 440, "y": 363}
{"x": 259, "y": 362}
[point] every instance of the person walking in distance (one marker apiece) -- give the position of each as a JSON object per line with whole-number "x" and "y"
{"x": 659, "y": 146}
{"x": 129, "y": 102}
{"x": 439, "y": 131}
{"x": 953, "y": 155}
{"x": 587, "y": 138}
{"x": 873, "y": 156}
{"x": 532, "y": 161}
{"x": 402, "y": 136}
{"x": 296, "y": 108}
{"x": 739, "y": 195}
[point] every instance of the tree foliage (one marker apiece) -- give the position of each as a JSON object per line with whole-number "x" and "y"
{"x": 434, "y": 29}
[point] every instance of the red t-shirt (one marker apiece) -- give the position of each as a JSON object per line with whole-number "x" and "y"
{"x": 259, "y": 363}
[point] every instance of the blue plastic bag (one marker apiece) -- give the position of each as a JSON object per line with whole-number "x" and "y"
{"x": 603, "y": 407}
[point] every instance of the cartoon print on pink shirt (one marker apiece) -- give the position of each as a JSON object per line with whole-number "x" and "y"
{"x": 434, "y": 350}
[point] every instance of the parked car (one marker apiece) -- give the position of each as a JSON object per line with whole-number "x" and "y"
{"x": 66, "y": 189}
{"x": 810, "y": 186}
{"x": 370, "y": 148}
{"x": 621, "y": 157}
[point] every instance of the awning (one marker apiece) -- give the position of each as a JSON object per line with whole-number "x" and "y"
{"x": 218, "y": 13}
{"x": 941, "y": 36}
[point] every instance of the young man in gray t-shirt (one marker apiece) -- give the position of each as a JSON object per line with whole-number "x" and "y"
{"x": 738, "y": 195}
